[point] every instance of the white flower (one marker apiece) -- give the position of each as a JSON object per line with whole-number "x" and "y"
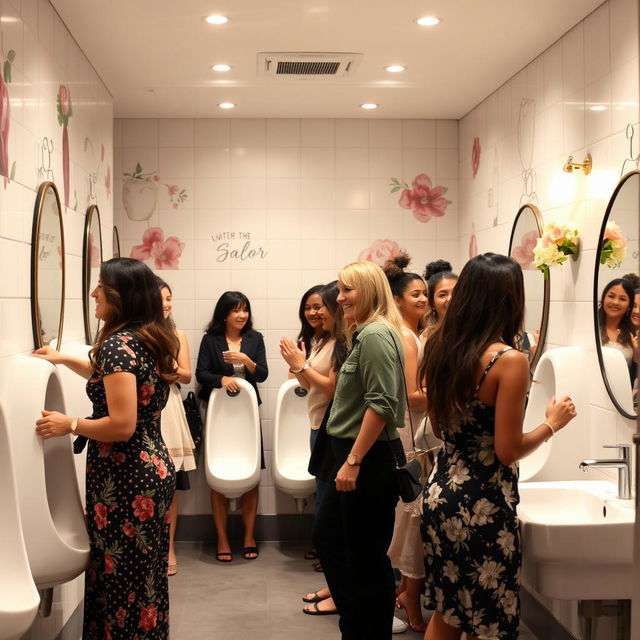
{"x": 507, "y": 492}
{"x": 465, "y": 598}
{"x": 482, "y": 512}
{"x": 509, "y": 603}
{"x": 455, "y": 530}
{"x": 488, "y": 574}
{"x": 450, "y": 618}
{"x": 450, "y": 571}
{"x": 506, "y": 541}
{"x": 433, "y": 497}
{"x": 488, "y": 632}
{"x": 458, "y": 474}
{"x": 486, "y": 453}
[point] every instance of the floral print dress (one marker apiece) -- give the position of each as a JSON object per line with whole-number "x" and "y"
{"x": 130, "y": 486}
{"x": 470, "y": 528}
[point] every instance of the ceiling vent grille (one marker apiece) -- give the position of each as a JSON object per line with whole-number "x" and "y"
{"x": 307, "y": 65}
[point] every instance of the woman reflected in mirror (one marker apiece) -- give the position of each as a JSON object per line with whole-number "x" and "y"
{"x": 614, "y": 319}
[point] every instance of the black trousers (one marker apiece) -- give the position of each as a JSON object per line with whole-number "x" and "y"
{"x": 352, "y": 534}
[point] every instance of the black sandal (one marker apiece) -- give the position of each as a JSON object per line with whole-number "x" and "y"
{"x": 247, "y": 553}
{"x": 314, "y": 598}
{"x": 224, "y": 556}
{"x": 314, "y": 610}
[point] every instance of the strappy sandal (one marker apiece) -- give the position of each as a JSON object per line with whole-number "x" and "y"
{"x": 172, "y": 569}
{"x": 315, "y": 597}
{"x": 224, "y": 556}
{"x": 250, "y": 553}
{"x": 314, "y": 610}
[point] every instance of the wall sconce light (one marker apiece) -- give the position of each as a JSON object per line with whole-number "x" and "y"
{"x": 572, "y": 166}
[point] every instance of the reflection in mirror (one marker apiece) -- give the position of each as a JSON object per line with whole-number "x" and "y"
{"x": 91, "y": 261}
{"x": 116, "y": 242}
{"x": 527, "y": 228}
{"x": 47, "y": 268}
{"x": 617, "y": 294}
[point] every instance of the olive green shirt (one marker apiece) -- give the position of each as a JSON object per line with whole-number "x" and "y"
{"x": 370, "y": 378}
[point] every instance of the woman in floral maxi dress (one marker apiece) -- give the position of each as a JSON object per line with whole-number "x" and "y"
{"x": 477, "y": 383}
{"x": 130, "y": 476}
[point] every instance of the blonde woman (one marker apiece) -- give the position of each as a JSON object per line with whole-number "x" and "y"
{"x": 174, "y": 426}
{"x": 354, "y": 523}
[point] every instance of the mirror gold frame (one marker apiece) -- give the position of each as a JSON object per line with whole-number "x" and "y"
{"x": 92, "y": 213}
{"x": 36, "y": 318}
{"x": 544, "y": 320}
{"x": 596, "y": 323}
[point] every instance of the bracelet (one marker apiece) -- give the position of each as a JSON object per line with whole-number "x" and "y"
{"x": 304, "y": 367}
{"x": 553, "y": 431}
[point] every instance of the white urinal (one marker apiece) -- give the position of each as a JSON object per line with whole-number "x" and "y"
{"x": 618, "y": 377}
{"x": 291, "y": 444}
{"x": 77, "y": 403}
{"x": 53, "y": 522}
{"x": 232, "y": 441}
{"x": 19, "y": 597}
{"x": 560, "y": 372}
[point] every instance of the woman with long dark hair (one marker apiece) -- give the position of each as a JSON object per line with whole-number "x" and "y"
{"x": 130, "y": 475}
{"x": 311, "y": 330}
{"x": 477, "y": 382}
{"x": 440, "y": 281}
{"x": 232, "y": 349}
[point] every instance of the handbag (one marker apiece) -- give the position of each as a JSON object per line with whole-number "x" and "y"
{"x": 194, "y": 419}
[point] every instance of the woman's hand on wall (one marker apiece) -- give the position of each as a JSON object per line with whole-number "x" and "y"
{"x": 53, "y": 425}
{"x": 229, "y": 383}
{"x": 347, "y": 476}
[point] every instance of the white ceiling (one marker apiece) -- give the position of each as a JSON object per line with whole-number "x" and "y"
{"x": 155, "y": 55}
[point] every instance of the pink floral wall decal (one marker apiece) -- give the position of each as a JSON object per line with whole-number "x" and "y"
{"x": 5, "y": 120}
{"x": 140, "y": 193}
{"x": 65, "y": 111}
{"x": 473, "y": 242}
{"x": 107, "y": 181}
{"x": 475, "y": 157}
{"x": 523, "y": 253}
{"x": 425, "y": 200}
{"x": 165, "y": 253}
{"x": 380, "y": 251}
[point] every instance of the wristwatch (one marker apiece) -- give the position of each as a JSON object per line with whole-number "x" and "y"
{"x": 304, "y": 367}
{"x": 74, "y": 426}
{"x": 353, "y": 460}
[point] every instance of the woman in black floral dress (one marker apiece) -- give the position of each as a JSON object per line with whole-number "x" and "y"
{"x": 130, "y": 476}
{"x": 476, "y": 390}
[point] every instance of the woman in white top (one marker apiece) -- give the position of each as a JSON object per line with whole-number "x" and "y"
{"x": 174, "y": 426}
{"x": 406, "y": 554}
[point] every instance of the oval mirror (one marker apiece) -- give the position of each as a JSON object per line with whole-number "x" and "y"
{"x": 116, "y": 243}
{"x": 47, "y": 268}
{"x": 527, "y": 228}
{"x": 91, "y": 261}
{"x": 615, "y": 293}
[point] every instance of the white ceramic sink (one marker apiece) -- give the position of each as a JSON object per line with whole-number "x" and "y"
{"x": 577, "y": 539}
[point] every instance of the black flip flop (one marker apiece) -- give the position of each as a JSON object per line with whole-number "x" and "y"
{"x": 224, "y": 556}
{"x": 315, "y": 598}
{"x": 315, "y": 611}
{"x": 247, "y": 550}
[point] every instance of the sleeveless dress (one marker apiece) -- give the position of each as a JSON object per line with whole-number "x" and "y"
{"x": 470, "y": 528}
{"x": 129, "y": 491}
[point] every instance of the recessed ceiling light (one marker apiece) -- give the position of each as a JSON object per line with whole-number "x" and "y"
{"x": 598, "y": 107}
{"x": 428, "y": 21}
{"x": 216, "y": 19}
{"x": 226, "y": 105}
{"x": 221, "y": 67}
{"x": 369, "y": 105}
{"x": 395, "y": 68}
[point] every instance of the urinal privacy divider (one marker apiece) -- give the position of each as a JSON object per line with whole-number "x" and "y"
{"x": 47, "y": 267}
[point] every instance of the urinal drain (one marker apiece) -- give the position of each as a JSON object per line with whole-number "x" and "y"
{"x": 232, "y": 394}
{"x": 300, "y": 392}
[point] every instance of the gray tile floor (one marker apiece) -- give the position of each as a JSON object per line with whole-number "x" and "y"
{"x": 244, "y": 599}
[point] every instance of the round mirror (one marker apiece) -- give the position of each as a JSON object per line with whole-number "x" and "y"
{"x": 47, "y": 268}
{"x": 91, "y": 261}
{"x": 615, "y": 293}
{"x": 116, "y": 243}
{"x": 527, "y": 228}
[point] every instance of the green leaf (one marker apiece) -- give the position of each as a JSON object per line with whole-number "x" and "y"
{"x": 396, "y": 189}
{"x": 138, "y": 168}
{"x": 12, "y": 174}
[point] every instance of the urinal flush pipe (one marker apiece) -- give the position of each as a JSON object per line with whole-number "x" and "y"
{"x": 46, "y": 602}
{"x": 301, "y": 503}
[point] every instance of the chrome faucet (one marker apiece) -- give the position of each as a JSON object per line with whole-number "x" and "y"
{"x": 622, "y": 464}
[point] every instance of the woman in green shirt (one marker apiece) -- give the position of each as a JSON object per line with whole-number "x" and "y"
{"x": 354, "y": 523}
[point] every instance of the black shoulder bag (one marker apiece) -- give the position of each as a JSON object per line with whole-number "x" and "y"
{"x": 194, "y": 419}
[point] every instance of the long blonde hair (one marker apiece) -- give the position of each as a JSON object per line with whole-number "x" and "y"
{"x": 374, "y": 302}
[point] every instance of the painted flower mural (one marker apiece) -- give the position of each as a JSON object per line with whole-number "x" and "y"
{"x": 165, "y": 253}
{"x": 65, "y": 111}
{"x": 5, "y": 120}
{"x": 423, "y": 199}
{"x": 523, "y": 253}
{"x": 475, "y": 157}
{"x": 140, "y": 193}
{"x": 380, "y": 251}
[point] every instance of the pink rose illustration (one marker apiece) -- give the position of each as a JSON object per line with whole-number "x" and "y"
{"x": 165, "y": 253}
{"x": 108, "y": 563}
{"x": 145, "y": 392}
{"x": 100, "y": 517}
{"x": 424, "y": 200}
{"x": 475, "y": 157}
{"x": 523, "y": 253}
{"x": 148, "y": 617}
{"x": 104, "y": 449}
{"x": 380, "y": 251}
{"x": 143, "y": 508}
{"x": 144, "y": 456}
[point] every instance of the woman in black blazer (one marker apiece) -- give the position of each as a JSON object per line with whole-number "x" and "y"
{"x": 231, "y": 349}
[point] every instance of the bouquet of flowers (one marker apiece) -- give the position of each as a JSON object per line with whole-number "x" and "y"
{"x": 556, "y": 244}
{"x": 614, "y": 246}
